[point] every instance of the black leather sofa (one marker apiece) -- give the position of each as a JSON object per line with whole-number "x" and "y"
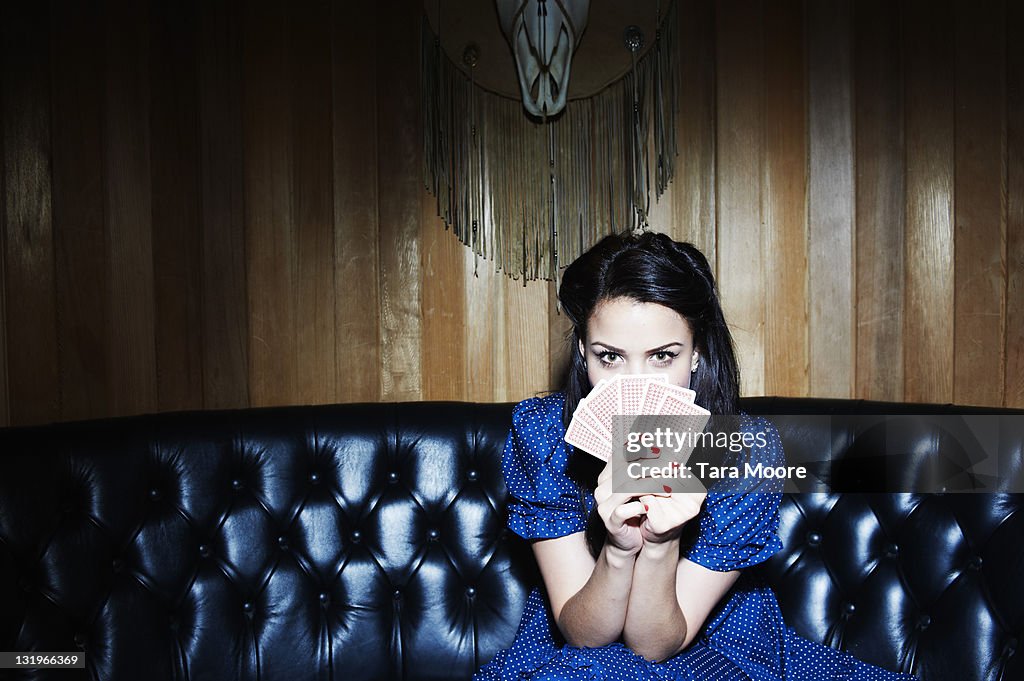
{"x": 368, "y": 541}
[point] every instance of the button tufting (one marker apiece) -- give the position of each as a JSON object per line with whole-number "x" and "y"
{"x": 975, "y": 563}
{"x": 393, "y": 476}
{"x": 470, "y": 591}
{"x": 433, "y": 534}
{"x": 356, "y": 536}
{"x": 924, "y": 621}
{"x": 324, "y": 598}
{"x": 172, "y": 622}
{"x": 282, "y": 542}
{"x": 892, "y": 550}
{"x": 1011, "y": 645}
{"x": 813, "y": 538}
{"x": 471, "y": 475}
{"x": 850, "y": 608}
{"x": 204, "y": 550}
{"x": 79, "y": 639}
{"x": 247, "y": 607}
{"x": 26, "y": 585}
{"x": 314, "y": 477}
{"x": 397, "y": 595}
{"x": 117, "y": 565}
{"x": 154, "y": 494}
{"x": 236, "y": 484}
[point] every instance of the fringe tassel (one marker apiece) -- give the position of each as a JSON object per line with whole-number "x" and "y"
{"x": 532, "y": 196}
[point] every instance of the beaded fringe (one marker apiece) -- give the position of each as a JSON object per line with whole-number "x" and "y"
{"x": 531, "y": 195}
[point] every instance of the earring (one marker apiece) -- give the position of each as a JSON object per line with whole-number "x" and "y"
{"x": 693, "y": 366}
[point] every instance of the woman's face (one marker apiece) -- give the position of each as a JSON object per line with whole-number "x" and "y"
{"x": 628, "y": 337}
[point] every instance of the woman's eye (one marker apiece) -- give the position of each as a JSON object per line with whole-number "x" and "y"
{"x": 608, "y": 358}
{"x": 665, "y": 357}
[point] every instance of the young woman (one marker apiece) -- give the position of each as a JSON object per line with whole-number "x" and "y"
{"x": 627, "y": 596}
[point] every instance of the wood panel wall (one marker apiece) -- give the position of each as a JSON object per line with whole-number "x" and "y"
{"x": 221, "y": 204}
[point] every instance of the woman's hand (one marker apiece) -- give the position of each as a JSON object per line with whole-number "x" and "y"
{"x": 666, "y": 515}
{"x": 622, "y": 517}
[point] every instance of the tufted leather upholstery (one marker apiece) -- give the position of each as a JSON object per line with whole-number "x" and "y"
{"x": 367, "y": 542}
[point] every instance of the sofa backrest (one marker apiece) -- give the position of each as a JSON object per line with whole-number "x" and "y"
{"x": 369, "y": 542}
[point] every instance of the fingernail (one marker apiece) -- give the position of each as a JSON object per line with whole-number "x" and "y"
{"x": 645, "y": 507}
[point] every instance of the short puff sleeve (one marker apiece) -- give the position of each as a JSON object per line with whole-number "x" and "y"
{"x": 739, "y": 523}
{"x": 543, "y": 502}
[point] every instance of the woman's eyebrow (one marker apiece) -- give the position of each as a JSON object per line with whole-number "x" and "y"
{"x": 619, "y": 351}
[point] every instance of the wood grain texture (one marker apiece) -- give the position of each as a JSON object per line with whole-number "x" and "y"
{"x": 484, "y": 349}
{"x": 880, "y": 200}
{"x": 444, "y": 306}
{"x": 784, "y": 201}
{"x": 177, "y": 236}
{"x": 830, "y": 199}
{"x": 399, "y": 173}
{"x": 129, "y": 209}
{"x": 78, "y": 189}
{"x": 1014, "y": 299}
{"x": 225, "y": 308}
{"x": 31, "y": 326}
{"x": 980, "y": 217}
{"x": 309, "y": 63}
{"x": 928, "y": 289}
{"x": 527, "y": 343}
{"x": 271, "y": 256}
{"x": 356, "y": 196}
{"x": 740, "y": 266}
{"x": 559, "y": 341}
{"x": 692, "y": 191}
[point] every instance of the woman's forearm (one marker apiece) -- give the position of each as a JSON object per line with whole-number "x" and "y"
{"x": 655, "y": 627}
{"x": 595, "y": 615}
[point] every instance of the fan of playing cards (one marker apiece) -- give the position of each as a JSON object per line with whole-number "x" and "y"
{"x": 591, "y": 426}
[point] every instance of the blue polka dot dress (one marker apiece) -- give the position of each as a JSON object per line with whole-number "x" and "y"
{"x": 745, "y": 639}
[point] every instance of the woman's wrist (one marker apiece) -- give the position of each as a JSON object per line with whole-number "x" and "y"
{"x": 660, "y": 551}
{"x": 618, "y": 558}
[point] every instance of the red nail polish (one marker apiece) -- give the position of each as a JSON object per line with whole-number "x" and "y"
{"x": 645, "y": 507}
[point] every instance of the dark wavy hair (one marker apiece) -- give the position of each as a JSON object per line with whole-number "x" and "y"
{"x": 648, "y": 268}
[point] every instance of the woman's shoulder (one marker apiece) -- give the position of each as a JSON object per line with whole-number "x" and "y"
{"x": 540, "y": 410}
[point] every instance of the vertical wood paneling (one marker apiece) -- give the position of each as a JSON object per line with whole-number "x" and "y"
{"x": 928, "y": 323}
{"x": 126, "y": 136}
{"x": 785, "y": 201}
{"x": 309, "y": 62}
{"x": 225, "y": 309}
{"x": 527, "y": 343}
{"x": 1014, "y": 395}
{"x": 76, "y": 51}
{"x": 880, "y": 201}
{"x": 28, "y": 227}
{"x": 399, "y": 171}
{"x": 5, "y": 406}
{"x": 270, "y": 234}
{"x": 177, "y": 237}
{"x": 444, "y": 305}
{"x": 238, "y": 215}
{"x": 740, "y": 268}
{"x": 356, "y": 229}
{"x": 559, "y": 332}
{"x": 485, "y": 329}
{"x": 693, "y": 187}
{"x": 980, "y": 234}
{"x": 830, "y": 198}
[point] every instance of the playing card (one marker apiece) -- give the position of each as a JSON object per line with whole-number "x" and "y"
{"x": 604, "y": 402}
{"x": 654, "y": 396}
{"x": 579, "y": 435}
{"x": 634, "y": 386}
{"x": 684, "y": 394}
{"x": 675, "y": 405}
